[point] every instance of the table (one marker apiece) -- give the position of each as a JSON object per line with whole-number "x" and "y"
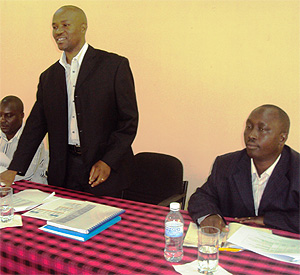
{"x": 132, "y": 246}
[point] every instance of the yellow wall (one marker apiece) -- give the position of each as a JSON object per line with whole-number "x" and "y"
{"x": 200, "y": 67}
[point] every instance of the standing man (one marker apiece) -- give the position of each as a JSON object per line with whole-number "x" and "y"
{"x": 258, "y": 185}
{"x": 11, "y": 123}
{"x": 86, "y": 103}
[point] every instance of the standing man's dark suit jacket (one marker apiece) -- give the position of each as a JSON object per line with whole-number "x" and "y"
{"x": 228, "y": 191}
{"x": 107, "y": 118}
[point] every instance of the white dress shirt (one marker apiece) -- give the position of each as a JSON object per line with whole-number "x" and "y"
{"x": 259, "y": 183}
{"x": 72, "y": 71}
{"x": 36, "y": 171}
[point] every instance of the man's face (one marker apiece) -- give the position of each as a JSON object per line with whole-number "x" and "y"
{"x": 10, "y": 119}
{"x": 263, "y": 135}
{"x": 68, "y": 30}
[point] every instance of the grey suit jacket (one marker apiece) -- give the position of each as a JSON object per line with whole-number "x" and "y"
{"x": 107, "y": 118}
{"x": 228, "y": 191}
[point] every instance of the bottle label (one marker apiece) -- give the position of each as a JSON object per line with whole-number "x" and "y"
{"x": 174, "y": 229}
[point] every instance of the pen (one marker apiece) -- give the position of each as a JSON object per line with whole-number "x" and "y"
{"x": 230, "y": 249}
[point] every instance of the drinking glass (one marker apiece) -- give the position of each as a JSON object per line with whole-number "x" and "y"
{"x": 208, "y": 249}
{"x": 6, "y": 204}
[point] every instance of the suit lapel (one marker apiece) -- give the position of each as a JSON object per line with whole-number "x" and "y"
{"x": 61, "y": 75}
{"x": 86, "y": 66}
{"x": 59, "y": 79}
{"x": 243, "y": 182}
{"x": 61, "y": 94}
{"x": 277, "y": 182}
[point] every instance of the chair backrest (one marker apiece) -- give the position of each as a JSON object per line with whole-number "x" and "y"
{"x": 158, "y": 176}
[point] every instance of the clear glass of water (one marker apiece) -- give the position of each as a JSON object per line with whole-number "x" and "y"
{"x": 208, "y": 249}
{"x": 6, "y": 204}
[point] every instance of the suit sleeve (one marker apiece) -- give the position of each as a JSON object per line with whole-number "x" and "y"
{"x": 205, "y": 200}
{"x": 289, "y": 217}
{"x": 121, "y": 138}
{"x": 37, "y": 168}
{"x": 284, "y": 220}
{"x": 31, "y": 138}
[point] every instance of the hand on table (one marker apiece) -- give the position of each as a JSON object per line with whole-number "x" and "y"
{"x": 216, "y": 221}
{"x": 99, "y": 173}
{"x": 251, "y": 220}
{"x": 7, "y": 177}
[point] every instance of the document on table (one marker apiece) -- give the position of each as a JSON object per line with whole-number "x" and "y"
{"x": 54, "y": 209}
{"x": 191, "y": 237}
{"x": 27, "y": 199}
{"x": 269, "y": 245}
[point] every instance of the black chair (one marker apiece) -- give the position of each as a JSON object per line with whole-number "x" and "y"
{"x": 159, "y": 180}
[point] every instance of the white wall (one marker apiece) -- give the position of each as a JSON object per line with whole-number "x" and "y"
{"x": 200, "y": 67}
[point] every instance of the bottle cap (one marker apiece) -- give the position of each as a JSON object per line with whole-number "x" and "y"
{"x": 175, "y": 206}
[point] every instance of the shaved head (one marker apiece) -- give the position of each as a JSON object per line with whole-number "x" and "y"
{"x": 11, "y": 115}
{"x": 282, "y": 116}
{"x": 77, "y": 11}
{"x": 14, "y": 101}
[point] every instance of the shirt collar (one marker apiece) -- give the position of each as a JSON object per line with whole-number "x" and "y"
{"x": 16, "y": 136}
{"x": 268, "y": 172}
{"x": 78, "y": 57}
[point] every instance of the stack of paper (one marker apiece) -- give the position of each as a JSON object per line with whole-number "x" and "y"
{"x": 77, "y": 235}
{"x": 256, "y": 239}
{"x": 87, "y": 217}
{"x": 30, "y": 198}
{"x": 269, "y": 245}
{"x": 79, "y": 220}
{"x": 191, "y": 237}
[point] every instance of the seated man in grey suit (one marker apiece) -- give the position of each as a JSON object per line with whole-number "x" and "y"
{"x": 257, "y": 185}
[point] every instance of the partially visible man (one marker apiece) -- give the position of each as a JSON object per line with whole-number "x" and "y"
{"x": 258, "y": 185}
{"x": 11, "y": 124}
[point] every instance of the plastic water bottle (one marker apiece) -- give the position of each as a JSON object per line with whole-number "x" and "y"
{"x": 174, "y": 234}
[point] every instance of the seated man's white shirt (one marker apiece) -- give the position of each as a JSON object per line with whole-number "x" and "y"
{"x": 4, "y": 161}
{"x": 38, "y": 166}
{"x": 259, "y": 183}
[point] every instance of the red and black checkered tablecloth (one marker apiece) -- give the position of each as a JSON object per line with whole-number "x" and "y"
{"x": 132, "y": 246}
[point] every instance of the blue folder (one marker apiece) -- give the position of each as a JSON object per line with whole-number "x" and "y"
{"x": 76, "y": 235}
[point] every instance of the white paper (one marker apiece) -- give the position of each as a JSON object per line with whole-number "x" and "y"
{"x": 192, "y": 268}
{"x": 269, "y": 245}
{"x": 53, "y": 209}
{"x": 234, "y": 226}
{"x": 17, "y": 221}
{"x": 191, "y": 237}
{"x": 30, "y": 198}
